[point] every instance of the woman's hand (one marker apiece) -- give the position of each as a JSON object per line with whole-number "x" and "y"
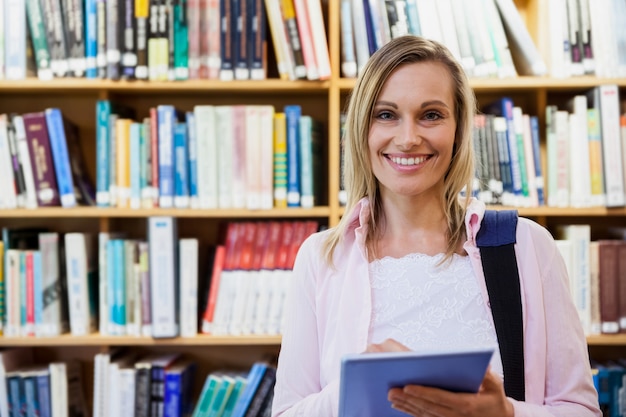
{"x": 389, "y": 345}
{"x": 420, "y": 401}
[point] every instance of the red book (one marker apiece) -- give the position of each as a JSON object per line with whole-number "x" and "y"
{"x": 218, "y": 265}
{"x": 41, "y": 159}
{"x": 154, "y": 153}
{"x": 609, "y": 286}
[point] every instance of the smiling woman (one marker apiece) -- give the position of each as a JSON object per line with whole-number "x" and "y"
{"x": 402, "y": 271}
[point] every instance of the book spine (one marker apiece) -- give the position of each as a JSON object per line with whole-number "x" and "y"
{"x": 192, "y": 143}
{"x": 16, "y": 164}
{"x": 306, "y": 37}
{"x": 43, "y": 395}
{"x": 103, "y": 111}
{"x": 194, "y": 17}
{"x": 224, "y": 129}
{"x": 122, "y": 161}
{"x": 27, "y": 166}
{"x": 101, "y": 39}
{"x": 51, "y": 285}
{"x": 266, "y": 181}
{"x": 37, "y": 28}
{"x": 114, "y": 22}
{"x": 128, "y": 59}
{"x": 76, "y": 258}
{"x": 292, "y": 117}
{"x": 207, "y": 160}
{"x": 181, "y": 40}
{"x": 57, "y": 42}
{"x": 163, "y": 281}
{"x": 188, "y": 277}
{"x": 539, "y": 180}
{"x": 142, "y": 18}
{"x": 154, "y": 155}
{"x": 77, "y": 47}
{"x": 144, "y": 278}
{"x": 320, "y": 43}
{"x": 58, "y": 144}
{"x": 135, "y": 165}
{"x": 166, "y": 121}
{"x": 257, "y": 43}
{"x": 280, "y": 160}
{"x": 169, "y": 46}
{"x": 8, "y": 190}
{"x": 228, "y": 38}
{"x": 91, "y": 38}
{"x": 181, "y": 166}
{"x": 291, "y": 26}
{"x": 348, "y": 55}
{"x": 214, "y": 41}
{"x": 15, "y": 39}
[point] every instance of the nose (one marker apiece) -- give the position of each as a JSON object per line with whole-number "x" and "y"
{"x": 408, "y": 135}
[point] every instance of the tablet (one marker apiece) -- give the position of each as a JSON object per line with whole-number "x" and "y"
{"x": 366, "y": 378}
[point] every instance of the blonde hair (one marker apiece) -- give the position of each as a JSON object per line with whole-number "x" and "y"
{"x": 359, "y": 178}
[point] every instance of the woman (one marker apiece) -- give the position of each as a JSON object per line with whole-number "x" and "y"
{"x": 402, "y": 271}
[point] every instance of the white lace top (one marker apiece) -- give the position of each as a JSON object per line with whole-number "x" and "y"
{"x": 429, "y": 307}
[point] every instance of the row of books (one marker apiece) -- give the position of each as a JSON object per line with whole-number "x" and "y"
{"x": 242, "y": 156}
{"x": 41, "y": 162}
{"x": 153, "y": 288}
{"x": 586, "y": 159}
{"x": 163, "y": 40}
{"x": 28, "y": 388}
{"x": 609, "y": 379}
{"x": 488, "y": 37}
{"x": 128, "y": 384}
{"x": 596, "y": 270}
{"x": 584, "y": 149}
{"x": 581, "y": 37}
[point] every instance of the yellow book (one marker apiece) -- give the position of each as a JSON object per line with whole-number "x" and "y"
{"x": 122, "y": 129}
{"x": 1, "y": 287}
{"x": 280, "y": 160}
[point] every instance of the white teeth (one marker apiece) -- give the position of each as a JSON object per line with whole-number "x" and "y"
{"x": 408, "y": 161}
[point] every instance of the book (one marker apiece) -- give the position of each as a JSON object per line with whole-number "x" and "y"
{"x": 310, "y": 148}
{"x": 348, "y": 54}
{"x": 81, "y": 279}
{"x": 30, "y": 192}
{"x": 257, "y": 41}
{"x": 166, "y": 121}
{"x": 8, "y": 190}
{"x": 609, "y": 287}
{"x": 60, "y": 155}
{"x": 163, "y": 279}
{"x": 320, "y": 42}
{"x": 254, "y": 378}
{"x": 295, "y": 39}
{"x": 188, "y": 281}
{"x": 263, "y": 393}
{"x": 178, "y": 388}
{"x": 34, "y": 13}
{"x": 527, "y": 59}
{"x": 11, "y": 360}
{"x": 366, "y": 378}
{"x": 206, "y": 156}
{"x": 292, "y": 118}
{"x": 280, "y": 160}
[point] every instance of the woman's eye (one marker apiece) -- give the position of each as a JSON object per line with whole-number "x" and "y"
{"x": 385, "y": 115}
{"x": 433, "y": 115}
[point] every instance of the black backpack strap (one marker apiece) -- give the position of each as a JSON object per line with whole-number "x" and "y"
{"x": 496, "y": 240}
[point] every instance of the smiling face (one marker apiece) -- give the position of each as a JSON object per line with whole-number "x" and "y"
{"x": 412, "y": 132}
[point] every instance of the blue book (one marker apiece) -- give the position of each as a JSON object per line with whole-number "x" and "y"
{"x": 233, "y": 398}
{"x": 228, "y": 38}
{"x": 91, "y": 38}
{"x": 60, "y": 156}
{"x": 292, "y": 115}
{"x": 412, "y": 15}
{"x": 31, "y": 395}
{"x": 177, "y": 398}
{"x": 15, "y": 36}
{"x": 370, "y": 28}
{"x": 258, "y": 43}
{"x": 255, "y": 376}
{"x": 145, "y": 175}
{"x": 192, "y": 152}
{"x": 135, "y": 165}
{"x": 43, "y": 393}
{"x": 534, "y": 132}
{"x": 14, "y": 393}
{"x": 181, "y": 166}
{"x": 166, "y": 119}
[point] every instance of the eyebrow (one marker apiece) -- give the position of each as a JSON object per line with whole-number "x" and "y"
{"x": 424, "y": 104}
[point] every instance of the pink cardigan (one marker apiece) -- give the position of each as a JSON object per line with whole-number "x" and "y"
{"x": 328, "y": 315}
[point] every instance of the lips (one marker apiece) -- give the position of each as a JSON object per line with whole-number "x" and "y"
{"x": 408, "y": 161}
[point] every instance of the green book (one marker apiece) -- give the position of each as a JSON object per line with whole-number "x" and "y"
{"x": 210, "y": 388}
{"x": 238, "y": 387}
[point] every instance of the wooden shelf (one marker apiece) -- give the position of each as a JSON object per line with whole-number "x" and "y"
{"x": 607, "y": 340}
{"x": 95, "y": 212}
{"x": 97, "y": 340}
{"x": 81, "y": 85}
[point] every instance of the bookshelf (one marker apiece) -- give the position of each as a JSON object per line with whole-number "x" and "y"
{"x": 322, "y": 99}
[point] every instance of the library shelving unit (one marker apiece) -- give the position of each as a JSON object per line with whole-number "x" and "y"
{"x": 322, "y": 99}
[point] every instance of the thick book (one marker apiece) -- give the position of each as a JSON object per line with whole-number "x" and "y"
{"x": 365, "y": 379}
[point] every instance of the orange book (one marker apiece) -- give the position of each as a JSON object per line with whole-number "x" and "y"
{"x": 122, "y": 131}
{"x": 218, "y": 265}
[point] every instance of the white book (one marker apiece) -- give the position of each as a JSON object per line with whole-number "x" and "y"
{"x": 224, "y": 130}
{"x": 8, "y": 195}
{"x": 527, "y": 58}
{"x": 429, "y": 20}
{"x": 253, "y": 157}
{"x": 479, "y": 28}
{"x": 101, "y": 385}
{"x": 126, "y": 378}
{"x": 239, "y": 187}
{"x": 619, "y": 26}
{"x": 207, "y": 156}
{"x": 463, "y": 38}
{"x": 80, "y": 267}
{"x": 566, "y": 249}
{"x": 306, "y": 39}
{"x": 133, "y": 288}
{"x": 24, "y": 157}
{"x": 188, "y": 278}
{"x": 103, "y": 274}
{"x": 12, "y": 291}
{"x": 585, "y": 33}
{"x": 162, "y": 238}
{"x": 320, "y": 43}
{"x": 580, "y": 174}
{"x": 562, "y": 194}
{"x": 504, "y": 59}
{"x": 266, "y": 139}
{"x": 555, "y": 45}
{"x": 15, "y": 39}
{"x": 573, "y": 25}
{"x": 448, "y": 27}
{"x": 580, "y": 236}
{"x": 58, "y": 389}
